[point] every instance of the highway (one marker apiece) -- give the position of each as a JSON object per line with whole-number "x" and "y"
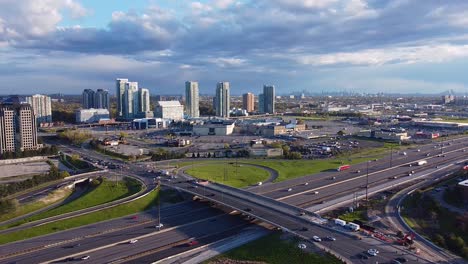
{"x": 276, "y": 190}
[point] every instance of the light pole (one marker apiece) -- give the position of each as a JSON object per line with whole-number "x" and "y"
{"x": 367, "y": 185}
{"x": 391, "y": 155}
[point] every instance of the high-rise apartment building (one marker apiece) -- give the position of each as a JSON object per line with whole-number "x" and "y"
{"x": 269, "y": 99}
{"x": 248, "y": 102}
{"x": 120, "y": 85}
{"x": 222, "y": 99}
{"x": 18, "y": 131}
{"x": 42, "y": 108}
{"x": 192, "y": 99}
{"x": 130, "y": 100}
{"x": 101, "y": 99}
{"x": 261, "y": 103}
{"x": 87, "y": 99}
{"x": 143, "y": 100}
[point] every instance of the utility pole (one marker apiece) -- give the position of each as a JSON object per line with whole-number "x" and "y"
{"x": 159, "y": 205}
{"x": 367, "y": 186}
{"x": 391, "y": 155}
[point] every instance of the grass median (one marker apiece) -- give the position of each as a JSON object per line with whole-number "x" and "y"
{"x": 273, "y": 250}
{"x": 136, "y": 206}
{"x": 229, "y": 173}
{"x": 106, "y": 191}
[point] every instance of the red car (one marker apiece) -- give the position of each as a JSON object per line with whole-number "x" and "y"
{"x": 192, "y": 243}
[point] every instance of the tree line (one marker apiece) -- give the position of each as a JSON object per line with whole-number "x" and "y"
{"x": 45, "y": 151}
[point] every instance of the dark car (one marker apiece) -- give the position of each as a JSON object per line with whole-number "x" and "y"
{"x": 401, "y": 259}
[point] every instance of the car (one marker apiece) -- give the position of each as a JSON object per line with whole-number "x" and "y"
{"x": 301, "y": 213}
{"x": 332, "y": 178}
{"x": 259, "y": 183}
{"x": 302, "y": 246}
{"x": 192, "y": 242}
{"x": 401, "y": 259}
{"x": 247, "y": 209}
{"x": 306, "y": 183}
{"x": 412, "y": 172}
{"x": 393, "y": 178}
{"x": 133, "y": 241}
{"x": 419, "y": 150}
{"x": 428, "y": 154}
{"x": 159, "y": 226}
{"x": 358, "y": 171}
{"x": 316, "y": 238}
{"x": 363, "y": 256}
{"x": 330, "y": 238}
{"x": 372, "y": 252}
{"x": 304, "y": 229}
{"x": 290, "y": 189}
{"x": 85, "y": 257}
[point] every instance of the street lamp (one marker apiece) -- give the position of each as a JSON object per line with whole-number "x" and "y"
{"x": 367, "y": 184}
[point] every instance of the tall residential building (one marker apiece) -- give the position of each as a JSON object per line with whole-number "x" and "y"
{"x": 87, "y": 99}
{"x": 101, "y": 99}
{"x": 120, "y": 85}
{"x": 248, "y": 101}
{"x": 222, "y": 99}
{"x": 192, "y": 99}
{"x": 143, "y": 100}
{"x": 261, "y": 103}
{"x": 130, "y": 100}
{"x": 42, "y": 108}
{"x": 18, "y": 131}
{"x": 269, "y": 99}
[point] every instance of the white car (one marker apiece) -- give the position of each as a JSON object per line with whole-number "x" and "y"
{"x": 316, "y": 192}
{"x": 316, "y": 238}
{"x": 133, "y": 241}
{"x": 290, "y": 189}
{"x": 306, "y": 183}
{"x": 85, "y": 257}
{"x": 302, "y": 246}
{"x": 372, "y": 252}
{"x": 159, "y": 226}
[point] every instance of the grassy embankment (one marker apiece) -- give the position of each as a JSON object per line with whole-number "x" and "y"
{"x": 136, "y": 206}
{"x": 105, "y": 192}
{"x": 273, "y": 250}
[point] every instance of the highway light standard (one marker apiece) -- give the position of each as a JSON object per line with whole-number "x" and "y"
{"x": 367, "y": 185}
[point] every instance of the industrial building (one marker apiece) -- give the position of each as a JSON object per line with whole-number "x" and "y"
{"x": 214, "y": 127}
{"x": 171, "y": 110}
{"x": 91, "y": 115}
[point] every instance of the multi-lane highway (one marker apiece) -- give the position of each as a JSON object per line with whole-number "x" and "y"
{"x": 300, "y": 195}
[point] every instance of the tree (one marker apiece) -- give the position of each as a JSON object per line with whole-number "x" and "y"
{"x": 64, "y": 174}
{"x": 198, "y": 155}
{"x": 193, "y": 155}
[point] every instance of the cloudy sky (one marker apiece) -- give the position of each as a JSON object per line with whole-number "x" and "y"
{"x": 399, "y": 46}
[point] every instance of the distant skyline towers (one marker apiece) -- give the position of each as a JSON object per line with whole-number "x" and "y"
{"x": 132, "y": 102}
{"x": 101, "y": 99}
{"x": 120, "y": 85}
{"x": 42, "y": 107}
{"x": 87, "y": 98}
{"x": 268, "y": 99}
{"x": 261, "y": 103}
{"x": 143, "y": 100}
{"x": 248, "y": 102}
{"x": 222, "y": 101}
{"x": 192, "y": 99}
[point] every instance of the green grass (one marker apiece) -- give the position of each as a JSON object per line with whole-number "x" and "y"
{"x": 142, "y": 204}
{"x": 76, "y": 163}
{"x": 355, "y": 215}
{"x": 106, "y": 192}
{"x": 246, "y": 175}
{"x": 30, "y": 207}
{"x": 271, "y": 249}
{"x": 289, "y": 169}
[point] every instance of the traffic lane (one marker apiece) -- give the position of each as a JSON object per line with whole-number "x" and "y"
{"x": 172, "y": 211}
{"x": 383, "y": 163}
{"x": 349, "y": 247}
{"x": 330, "y": 193}
{"x": 180, "y": 235}
{"x": 374, "y": 173}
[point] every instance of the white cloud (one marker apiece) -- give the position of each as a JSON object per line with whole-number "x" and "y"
{"x": 428, "y": 54}
{"x": 227, "y": 62}
{"x": 32, "y": 18}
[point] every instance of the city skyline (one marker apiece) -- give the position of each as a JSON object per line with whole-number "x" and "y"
{"x": 373, "y": 46}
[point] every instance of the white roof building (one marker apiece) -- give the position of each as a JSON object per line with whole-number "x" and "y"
{"x": 169, "y": 110}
